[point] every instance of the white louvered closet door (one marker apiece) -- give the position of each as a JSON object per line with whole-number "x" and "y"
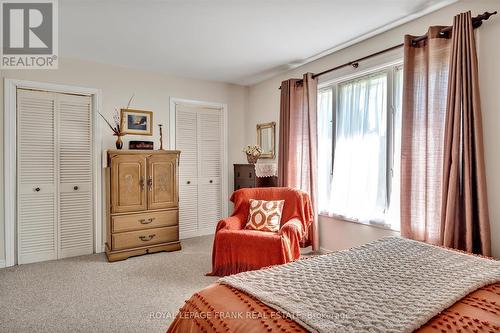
{"x": 199, "y": 138}
{"x": 210, "y": 169}
{"x": 186, "y": 134}
{"x": 75, "y": 161}
{"x": 54, "y": 162}
{"x": 37, "y": 177}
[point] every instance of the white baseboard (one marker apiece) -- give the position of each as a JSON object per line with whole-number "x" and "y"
{"x": 2, "y": 263}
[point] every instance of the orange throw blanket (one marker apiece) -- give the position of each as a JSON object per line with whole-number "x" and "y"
{"x": 220, "y": 308}
{"x": 237, "y": 250}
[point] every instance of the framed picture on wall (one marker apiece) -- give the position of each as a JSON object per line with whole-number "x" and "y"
{"x": 137, "y": 122}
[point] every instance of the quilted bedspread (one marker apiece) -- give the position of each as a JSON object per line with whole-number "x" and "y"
{"x": 390, "y": 285}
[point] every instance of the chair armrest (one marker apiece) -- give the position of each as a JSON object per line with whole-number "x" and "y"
{"x": 231, "y": 223}
{"x": 290, "y": 227}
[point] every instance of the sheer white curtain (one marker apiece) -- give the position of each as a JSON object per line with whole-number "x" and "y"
{"x": 394, "y": 213}
{"x": 358, "y": 184}
{"x": 325, "y": 100}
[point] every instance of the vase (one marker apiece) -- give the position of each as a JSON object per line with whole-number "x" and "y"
{"x": 119, "y": 142}
{"x": 252, "y": 159}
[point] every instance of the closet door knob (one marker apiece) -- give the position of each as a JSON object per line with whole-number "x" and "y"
{"x": 211, "y": 181}
{"x": 37, "y": 189}
{"x": 75, "y": 188}
{"x": 188, "y": 182}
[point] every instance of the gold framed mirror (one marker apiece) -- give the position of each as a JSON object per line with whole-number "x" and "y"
{"x": 266, "y": 134}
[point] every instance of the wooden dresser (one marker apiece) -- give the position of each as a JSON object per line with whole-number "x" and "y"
{"x": 142, "y": 200}
{"x": 244, "y": 177}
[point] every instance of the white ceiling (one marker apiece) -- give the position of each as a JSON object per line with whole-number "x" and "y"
{"x": 234, "y": 41}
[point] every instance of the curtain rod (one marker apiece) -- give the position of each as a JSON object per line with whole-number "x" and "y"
{"x": 476, "y": 23}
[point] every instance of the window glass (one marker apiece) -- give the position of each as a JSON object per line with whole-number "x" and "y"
{"x": 359, "y": 138}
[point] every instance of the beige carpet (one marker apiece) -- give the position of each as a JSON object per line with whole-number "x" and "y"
{"x": 88, "y": 294}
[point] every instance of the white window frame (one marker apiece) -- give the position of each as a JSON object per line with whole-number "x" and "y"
{"x": 390, "y": 69}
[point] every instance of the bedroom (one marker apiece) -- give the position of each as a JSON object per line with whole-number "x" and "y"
{"x": 77, "y": 254}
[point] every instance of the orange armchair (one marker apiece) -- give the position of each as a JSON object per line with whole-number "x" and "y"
{"x": 237, "y": 249}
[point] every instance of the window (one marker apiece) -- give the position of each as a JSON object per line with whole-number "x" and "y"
{"x": 359, "y": 136}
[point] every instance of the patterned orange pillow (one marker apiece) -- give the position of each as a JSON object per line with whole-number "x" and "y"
{"x": 265, "y": 215}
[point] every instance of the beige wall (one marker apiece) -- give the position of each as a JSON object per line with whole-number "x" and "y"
{"x": 264, "y": 106}
{"x": 340, "y": 235}
{"x": 260, "y": 103}
{"x": 152, "y": 92}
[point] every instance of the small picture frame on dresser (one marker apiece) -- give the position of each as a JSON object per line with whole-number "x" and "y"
{"x": 137, "y": 122}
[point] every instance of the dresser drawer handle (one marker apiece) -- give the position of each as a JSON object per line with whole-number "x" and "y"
{"x": 147, "y": 238}
{"x": 249, "y": 175}
{"x": 148, "y": 221}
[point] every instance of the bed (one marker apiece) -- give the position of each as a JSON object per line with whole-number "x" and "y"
{"x": 390, "y": 285}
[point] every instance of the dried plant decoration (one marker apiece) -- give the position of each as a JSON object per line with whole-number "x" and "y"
{"x": 117, "y": 123}
{"x": 117, "y": 126}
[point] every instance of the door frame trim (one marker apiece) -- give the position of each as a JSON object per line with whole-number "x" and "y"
{"x": 222, "y": 106}
{"x": 10, "y": 159}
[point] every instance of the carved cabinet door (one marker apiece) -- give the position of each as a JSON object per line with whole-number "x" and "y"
{"x": 162, "y": 181}
{"x": 128, "y": 183}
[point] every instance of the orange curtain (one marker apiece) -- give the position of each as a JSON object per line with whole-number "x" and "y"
{"x": 297, "y": 152}
{"x": 464, "y": 220}
{"x": 443, "y": 186}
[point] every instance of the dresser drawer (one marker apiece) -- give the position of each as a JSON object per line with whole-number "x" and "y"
{"x": 123, "y": 223}
{"x": 131, "y": 239}
{"x": 238, "y": 184}
{"x": 244, "y": 172}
